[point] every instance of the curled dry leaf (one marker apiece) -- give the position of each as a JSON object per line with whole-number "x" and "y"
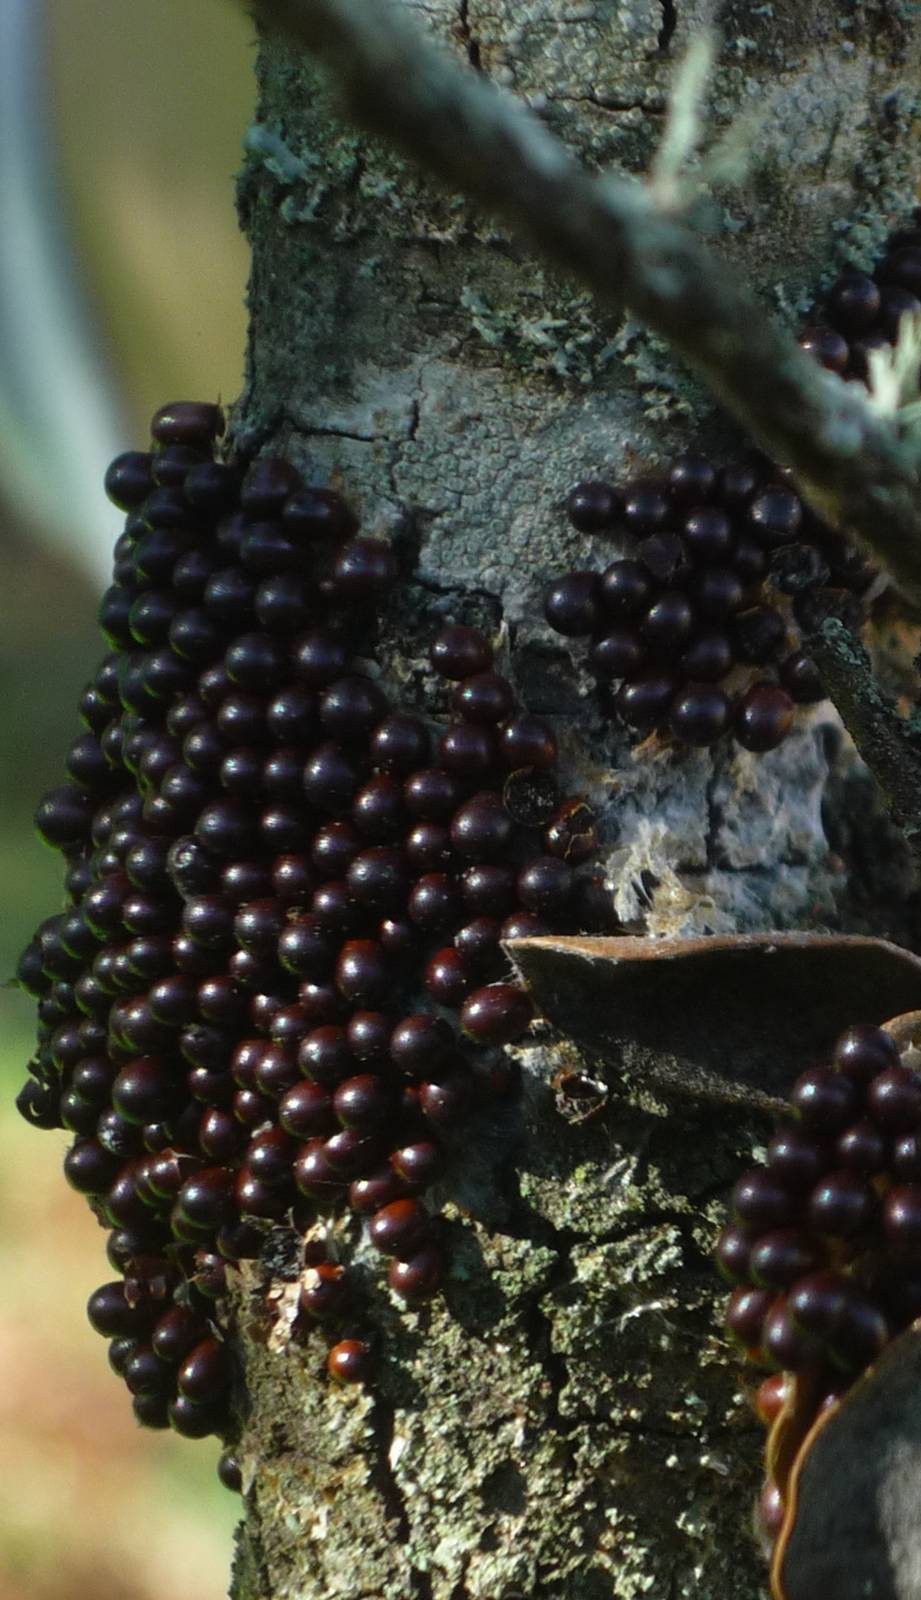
{"x": 731, "y": 1017}
{"x": 852, "y": 1529}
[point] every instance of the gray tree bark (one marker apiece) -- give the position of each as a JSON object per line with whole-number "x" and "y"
{"x": 566, "y": 1421}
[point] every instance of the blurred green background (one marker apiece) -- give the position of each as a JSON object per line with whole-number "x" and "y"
{"x": 146, "y": 102}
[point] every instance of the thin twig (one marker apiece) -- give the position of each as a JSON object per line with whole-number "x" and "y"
{"x": 854, "y": 466}
{"x": 888, "y": 743}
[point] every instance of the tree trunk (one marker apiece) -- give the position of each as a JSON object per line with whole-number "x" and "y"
{"x": 565, "y": 1422}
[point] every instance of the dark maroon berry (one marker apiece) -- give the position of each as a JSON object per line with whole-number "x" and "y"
{"x": 840, "y": 1204}
{"x": 468, "y": 750}
{"x": 708, "y": 657}
{"x": 400, "y": 1227}
{"x": 708, "y": 534}
{"x": 325, "y": 1057}
{"x": 484, "y": 697}
{"x": 592, "y": 507}
{"x": 545, "y": 886}
{"x": 746, "y": 1315}
{"x": 825, "y": 346}
{"x": 187, "y": 422}
{"x": 863, "y": 1051}
{"x": 618, "y": 654}
{"x": 800, "y": 677}
{"x": 363, "y": 571}
{"x": 205, "y": 1200}
{"x": 717, "y": 592}
{"x": 666, "y": 557}
{"x": 498, "y": 1014}
{"x": 825, "y": 1100}
{"x": 778, "y": 1258}
{"x": 666, "y": 625}
{"x": 363, "y": 1103}
{"x": 419, "y": 1276}
{"x": 417, "y": 1165}
{"x": 527, "y": 741}
{"x": 902, "y": 1218}
{"x": 764, "y": 717}
{"x": 645, "y": 702}
{"x": 733, "y": 1253}
{"x": 700, "y": 714}
{"x": 894, "y": 1100}
{"x": 195, "y": 1420}
{"x": 64, "y": 816}
{"x": 645, "y": 507}
{"x": 128, "y": 479}
{"x": 363, "y": 974}
{"x": 378, "y": 810}
{"x": 481, "y": 829}
{"x": 854, "y": 302}
{"x": 862, "y": 1148}
{"x": 351, "y": 707}
{"x": 324, "y": 1292}
{"x": 319, "y": 657}
{"x": 431, "y": 794}
{"x": 369, "y": 1036}
{"x": 331, "y": 777}
{"x": 399, "y": 744}
{"x": 305, "y": 1111}
{"x": 625, "y": 589}
{"x": 572, "y": 606}
{"x": 446, "y": 978}
{"x": 433, "y": 903}
{"x": 350, "y": 1361}
{"x": 444, "y": 1102}
{"x": 428, "y": 847}
{"x": 760, "y": 1200}
{"x": 691, "y": 479}
{"x": 422, "y": 1046}
{"x": 775, "y": 516}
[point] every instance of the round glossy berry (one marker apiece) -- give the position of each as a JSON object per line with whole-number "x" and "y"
{"x": 778, "y": 1258}
{"x": 626, "y": 589}
{"x": 527, "y": 741}
{"x": 363, "y": 973}
{"x": 350, "y": 1361}
{"x": 324, "y": 1292}
{"x": 618, "y": 654}
{"x": 400, "y": 1227}
{"x": 497, "y": 1014}
{"x": 826, "y": 346}
{"x": 699, "y": 714}
{"x": 459, "y": 652}
{"x": 863, "y": 1051}
{"x": 484, "y": 697}
{"x": 746, "y": 1314}
{"x": 825, "y": 1100}
{"x": 431, "y": 794}
{"x": 363, "y": 1103}
{"x": 644, "y": 703}
{"x": 331, "y": 777}
{"x": 422, "y": 1046}
{"x": 775, "y": 516}
{"x": 447, "y": 979}
{"x": 840, "y": 1204}
{"x": 351, "y": 707}
{"x": 64, "y": 816}
{"x": 419, "y": 1276}
{"x": 691, "y": 479}
{"x": 854, "y": 302}
{"x": 546, "y": 886}
{"x": 760, "y": 1200}
{"x": 763, "y": 718}
{"x": 593, "y": 506}
{"x": 894, "y": 1100}
{"x": 363, "y": 571}
{"x": 572, "y": 606}
{"x": 433, "y": 904}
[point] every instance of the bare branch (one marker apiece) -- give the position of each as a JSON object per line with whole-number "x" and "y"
{"x": 888, "y": 743}
{"x": 854, "y": 466}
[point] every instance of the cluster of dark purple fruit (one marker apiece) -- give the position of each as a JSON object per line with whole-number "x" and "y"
{"x": 698, "y": 632}
{"x": 824, "y": 1245}
{"x": 279, "y": 891}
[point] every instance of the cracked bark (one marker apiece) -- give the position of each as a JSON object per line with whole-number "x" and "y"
{"x": 566, "y": 1421}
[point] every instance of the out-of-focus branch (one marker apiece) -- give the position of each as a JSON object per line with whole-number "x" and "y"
{"x": 856, "y": 467}
{"x": 888, "y": 743}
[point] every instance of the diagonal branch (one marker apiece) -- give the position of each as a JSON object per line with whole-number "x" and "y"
{"x": 854, "y": 466}
{"x": 888, "y": 743}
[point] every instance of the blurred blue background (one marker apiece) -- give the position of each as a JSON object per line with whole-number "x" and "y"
{"x": 122, "y": 276}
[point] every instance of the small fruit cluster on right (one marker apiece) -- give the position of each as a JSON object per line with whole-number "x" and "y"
{"x": 824, "y": 1243}
{"x": 697, "y": 633}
